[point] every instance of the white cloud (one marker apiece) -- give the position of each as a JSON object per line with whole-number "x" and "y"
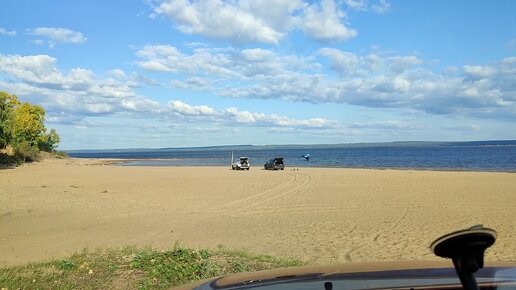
{"x": 139, "y": 79}
{"x": 324, "y": 22}
{"x": 117, "y": 73}
{"x": 380, "y": 6}
{"x": 257, "y": 54}
{"x": 266, "y": 119}
{"x": 7, "y": 32}
{"x": 33, "y": 68}
{"x": 255, "y": 21}
{"x": 186, "y": 109}
{"x": 462, "y": 128}
{"x": 311, "y": 123}
{"x": 228, "y": 63}
{"x": 193, "y": 83}
{"x": 58, "y": 35}
{"x": 276, "y": 13}
{"x": 399, "y": 64}
{"x": 356, "y": 4}
{"x": 166, "y": 58}
{"x": 132, "y": 80}
{"x": 219, "y": 19}
{"x": 151, "y": 51}
{"x": 41, "y": 42}
{"x": 341, "y": 61}
{"x": 477, "y": 71}
{"x": 78, "y": 91}
{"x": 233, "y": 115}
{"x": 385, "y": 125}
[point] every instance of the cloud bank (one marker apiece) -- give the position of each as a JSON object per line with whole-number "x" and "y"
{"x": 331, "y": 75}
{"x": 80, "y": 93}
{"x": 255, "y": 21}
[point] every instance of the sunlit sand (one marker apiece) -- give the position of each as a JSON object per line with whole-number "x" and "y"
{"x": 320, "y": 215}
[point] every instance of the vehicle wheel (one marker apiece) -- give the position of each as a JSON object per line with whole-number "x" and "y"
{"x": 282, "y": 168}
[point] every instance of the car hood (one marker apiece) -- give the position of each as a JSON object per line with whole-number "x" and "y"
{"x": 420, "y": 274}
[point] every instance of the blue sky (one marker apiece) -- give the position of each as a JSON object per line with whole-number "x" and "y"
{"x": 126, "y": 74}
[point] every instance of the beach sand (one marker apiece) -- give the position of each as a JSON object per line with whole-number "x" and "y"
{"x": 322, "y": 215}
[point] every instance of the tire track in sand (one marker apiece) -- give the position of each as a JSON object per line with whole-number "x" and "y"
{"x": 294, "y": 183}
{"x": 377, "y": 235}
{"x": 230, "y": 206}
{"x": 298, "y": 189}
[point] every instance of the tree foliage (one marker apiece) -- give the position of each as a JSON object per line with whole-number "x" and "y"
{"x": 28, "y": 123}
{"x": 48, "y": 142}
{"x": 22, "y": 126}
{"x": 7, "y": 105}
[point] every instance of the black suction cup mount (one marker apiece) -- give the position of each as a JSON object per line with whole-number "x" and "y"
{"x": 466, "y": 248}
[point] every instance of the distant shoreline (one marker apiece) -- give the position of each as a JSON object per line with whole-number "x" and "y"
{"x": 127, "y": 162}
{"x": 311, "y": 146}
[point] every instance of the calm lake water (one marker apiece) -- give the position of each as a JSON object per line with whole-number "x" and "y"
{"x": 474, "y": 158}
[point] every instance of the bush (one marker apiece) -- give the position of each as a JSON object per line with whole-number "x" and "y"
{"x": 24, "y": 152}
{"x": 60, "y": 154}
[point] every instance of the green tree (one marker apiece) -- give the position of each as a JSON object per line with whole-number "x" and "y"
{"x": 8, "y": 103}
{"x": 22, "y": 127}
{"x": 48, "y": 142}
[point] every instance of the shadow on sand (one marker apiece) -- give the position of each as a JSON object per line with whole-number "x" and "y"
{"x": 6, "y": 162}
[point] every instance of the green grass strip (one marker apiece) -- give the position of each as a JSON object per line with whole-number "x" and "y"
{"x": 136, "y": 268}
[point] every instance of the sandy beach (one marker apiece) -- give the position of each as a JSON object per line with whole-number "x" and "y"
{"x": 321, "y": 215}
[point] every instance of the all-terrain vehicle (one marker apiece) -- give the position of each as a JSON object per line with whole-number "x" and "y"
{"x": 242, "y": 164}
{"x": 275, "y": 164}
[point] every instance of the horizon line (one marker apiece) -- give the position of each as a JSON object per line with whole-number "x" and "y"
{"x": 292, "y": 145}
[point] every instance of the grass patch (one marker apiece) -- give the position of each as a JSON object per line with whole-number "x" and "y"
{"x": 136, "y": 268}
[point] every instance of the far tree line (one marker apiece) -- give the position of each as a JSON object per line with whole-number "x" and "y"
{"x": 22, "y": 131}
